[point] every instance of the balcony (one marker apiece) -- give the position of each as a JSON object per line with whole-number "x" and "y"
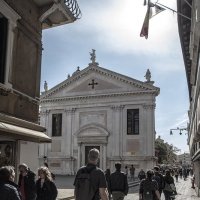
{"x": 58, "y": 12}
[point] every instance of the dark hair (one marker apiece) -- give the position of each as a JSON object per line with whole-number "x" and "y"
{"x": 150, "y": 174}
{"x": 5, "y": 173}
{"x": 167, "y": 173}
{"x": 107, "y": 172}
{"x": 156, "y": 168}
{"x": 118, "y": 166}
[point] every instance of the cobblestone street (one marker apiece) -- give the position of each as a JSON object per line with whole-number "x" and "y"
{"x": 184, "y": 190}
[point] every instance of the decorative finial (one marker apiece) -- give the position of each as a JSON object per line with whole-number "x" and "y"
{"x": 148, "y": 76}
{"x": 45, "y": 86}
{"x": 68, "y": 76}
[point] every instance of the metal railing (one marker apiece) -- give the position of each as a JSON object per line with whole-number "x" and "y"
{"x": 74, "y": 8}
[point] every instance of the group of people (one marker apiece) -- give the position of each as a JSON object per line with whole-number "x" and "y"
{"x": 91, "y": 183}
{"x": 132, "y": 172}
{"x": 28, "y": 188}
{"x": 153, "y": 183}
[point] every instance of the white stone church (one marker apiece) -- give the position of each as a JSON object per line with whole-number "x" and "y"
{"x": 96, "y": 107}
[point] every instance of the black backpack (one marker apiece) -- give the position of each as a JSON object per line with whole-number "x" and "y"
{"x": 148, "y": 189}
{"x": 84, "y": 189}
{"x": 157, "y": 178}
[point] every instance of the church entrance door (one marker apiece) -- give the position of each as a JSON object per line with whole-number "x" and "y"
{"x": 87, "y": 149}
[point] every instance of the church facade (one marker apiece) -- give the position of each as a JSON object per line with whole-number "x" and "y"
{"x": 99, "y": 108}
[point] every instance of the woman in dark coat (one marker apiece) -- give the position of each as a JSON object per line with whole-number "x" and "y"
{"x": 8, "y": 189}
{"x": 46, "y": 188}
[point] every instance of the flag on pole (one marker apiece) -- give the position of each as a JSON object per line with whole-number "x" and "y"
{"x": 145, "y": 27}
{"x": 157, "y": 10}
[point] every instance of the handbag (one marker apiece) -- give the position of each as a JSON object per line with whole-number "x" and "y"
{"x": 173, "y": 187}
{"x": 167, "y": 187}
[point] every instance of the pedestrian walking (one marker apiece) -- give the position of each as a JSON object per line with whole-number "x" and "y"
{"x": 132, "y": 172}
{"x": 149, "y": 188}
{"x": 8, "y": 189}
{"x": 107, "y": 175}
{"x": 180, "y": 173}
{"x": 126, "y": 171}
{"x": 27, "y": 183}
{"x": 46, "y": 188}
{"x": 158, "y": 177}
{"x": 192, "y": 181}
{"x": 90, "y": 182}
{"x": 169, "y": 189}
{"x": 184, "y": 173}
{"x": 118, "y": 183}
{"x": 141, "y": 174}
{"x": 176, "y": 174}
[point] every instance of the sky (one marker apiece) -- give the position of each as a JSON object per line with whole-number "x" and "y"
{"x": 113, "y": 28}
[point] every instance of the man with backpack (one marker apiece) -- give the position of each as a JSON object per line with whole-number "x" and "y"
{"x": 90, "y": 182}
{"x": 118, "y": 183}
{"x": 149, "y": 188}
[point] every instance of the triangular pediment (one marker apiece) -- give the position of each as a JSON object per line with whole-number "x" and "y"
{"x": 95, "y": 80}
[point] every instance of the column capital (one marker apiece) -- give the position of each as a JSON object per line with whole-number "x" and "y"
{"x": 149, "y": 106}
{"x": 44, "y": 112}
{"x": 70, "y": 111}
{"x": 117, "y": 107}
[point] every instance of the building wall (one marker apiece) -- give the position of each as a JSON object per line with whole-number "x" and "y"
{"x": 29, "y": 154}
{"x": 191, "y": 30}
{"x": 99, "y": 122}
{"x": 24, "y": 70}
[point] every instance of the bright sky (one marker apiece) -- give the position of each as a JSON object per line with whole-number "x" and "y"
{"x": 113, "y": 28}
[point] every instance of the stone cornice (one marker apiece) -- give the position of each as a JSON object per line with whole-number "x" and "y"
{"x": 103, "y": 71}
{"x": 99, "y": 96}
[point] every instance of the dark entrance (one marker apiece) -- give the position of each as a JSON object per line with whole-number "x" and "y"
{"x": 87, "y": 149}
{"x": 7, "y": 151}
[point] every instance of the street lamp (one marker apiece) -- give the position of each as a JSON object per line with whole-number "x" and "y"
{"x": 178, "y": 129}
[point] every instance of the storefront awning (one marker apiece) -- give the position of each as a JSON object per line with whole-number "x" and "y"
{"x": 22, "y": 133}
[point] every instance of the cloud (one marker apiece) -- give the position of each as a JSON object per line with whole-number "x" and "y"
{"x": 118, "y": 25}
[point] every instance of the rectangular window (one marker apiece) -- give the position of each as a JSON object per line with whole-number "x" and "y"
{"x": 133, "y": 121}
{"x": 3, "y": 45}
{"x": 57, "y": 124}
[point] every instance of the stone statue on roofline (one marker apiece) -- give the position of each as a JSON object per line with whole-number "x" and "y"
{"x": 148, "y": 77}
{"x": 93, "y": 58}
{"x": 45, "y": 86}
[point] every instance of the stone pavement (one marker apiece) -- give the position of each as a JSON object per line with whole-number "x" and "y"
{"x": 184, "y": 190}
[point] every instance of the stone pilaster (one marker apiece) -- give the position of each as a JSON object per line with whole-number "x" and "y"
{"x": 149, "y": 111}
{"x": 68, "y": 136}
{"x": 44, "y": 121}
{"x": 117, "y": 130}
